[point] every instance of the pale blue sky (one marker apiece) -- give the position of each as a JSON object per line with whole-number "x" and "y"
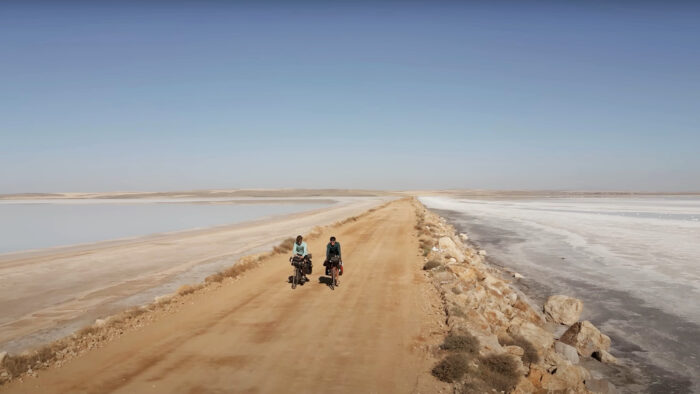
{"x": 499, "y": 95}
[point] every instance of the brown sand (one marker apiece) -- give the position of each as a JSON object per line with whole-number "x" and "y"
{"x": 48, "y": 293}
{"x": 256, "y": 334}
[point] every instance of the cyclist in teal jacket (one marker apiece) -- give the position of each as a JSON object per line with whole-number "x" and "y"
{"x": 299, "y": 249}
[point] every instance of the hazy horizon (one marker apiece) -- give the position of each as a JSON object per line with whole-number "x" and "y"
{"x": 151, "y": 96}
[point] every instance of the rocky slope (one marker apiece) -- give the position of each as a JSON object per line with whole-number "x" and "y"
{"x": 497, "y": 341}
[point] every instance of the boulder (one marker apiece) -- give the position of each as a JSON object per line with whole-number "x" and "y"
{"x": 586, "y": 338}
{"x": 604, "y": 357}
{"x": 463, "y": 236}
{"x": 514, "y": 350}
{"x": 443, "y": 277}
{"x": 466, "y": 274}
{"x": 511, "y": 298}
{"x": 538, "y": 336}
{"x": 524, "y": 387}
{"x": 567, "y": 351}
{"x": 447, "y": 245}
{"x": 482, "y": 252}
{"x": 517, "y": 275}
{"x": 2, "y": 357}
{"x": 553, "y": 361}
{"x": 563, "y": 309}
{"x": 566, "y": 377}
{"x": 451, "y": 260}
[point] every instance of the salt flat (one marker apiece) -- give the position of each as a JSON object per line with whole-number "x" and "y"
{"x": 634, "y": 261}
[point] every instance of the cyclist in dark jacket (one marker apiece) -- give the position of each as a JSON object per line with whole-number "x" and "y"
{"x": 333, "y": 249}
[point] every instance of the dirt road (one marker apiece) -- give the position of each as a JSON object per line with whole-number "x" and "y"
{"x": 257, "y": 335}
{"x": 49, "y": 293}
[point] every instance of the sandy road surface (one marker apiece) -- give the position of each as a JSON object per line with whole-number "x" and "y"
{"x": 49, "y": 293}
{"x": 369, "y": 335}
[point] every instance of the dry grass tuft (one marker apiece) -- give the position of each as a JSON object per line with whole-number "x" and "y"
{"x": 451, "y": 368}
{"x": 465, "y": 343}
{"x": 186, "y": 289}
{"x": 499, "y": 371}
{"x": 284, "y": 246}
{"x": 16, "y": 365}
{"x": 87, "y": 331}
{"x": 474, "y": 386}
{"x": 530, "y": 355}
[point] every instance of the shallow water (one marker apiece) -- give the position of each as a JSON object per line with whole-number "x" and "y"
{"x": 634, "y": 262}
{"x": 36, "y": 224}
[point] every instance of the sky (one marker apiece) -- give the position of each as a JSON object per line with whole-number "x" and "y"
{"x": 102, "y": 96}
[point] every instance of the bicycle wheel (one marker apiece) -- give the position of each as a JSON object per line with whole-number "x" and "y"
{"x": 295, "y": 278}
{"x": 332, "y": 285}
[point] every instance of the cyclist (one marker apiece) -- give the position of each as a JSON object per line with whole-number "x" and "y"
{"x": 300, "y": 251}
{"x": 333, "y": 250}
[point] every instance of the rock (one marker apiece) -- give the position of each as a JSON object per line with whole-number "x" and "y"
{"x": 511, "y": 298}
{"x": 567, "y": 377}
{"x": 517, "y": 275}
{"x": 447, "y": 245}
{"x": 523, "y": 387}
{"x": 463, "y": 236}
{"x": 586, "y": 338}
{"x": 466, "y": 274}
{"x": 2, "y": 357}
{"x": 604, "y": 357}
{"x": 100, "y": 322}
{"x": 563, "y": 309}
{"x": 443, "y": 276}
{"x": 567, "y": 351}
{"x": 601, "y": 386}
{"x": 451, "y": 260}
{"x": 515, "y": 350}
{"x": 539, "y": 337}
{"x": 482, "y": 252}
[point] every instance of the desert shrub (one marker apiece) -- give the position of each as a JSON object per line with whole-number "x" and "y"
{"x": 474, "y": 386}
{"x": 217, "y": 277}
{"x": 16, "y": 365}
{"x": 499, "y": 371}
{"x": 284, "y": 246}
{"x": 431, "y": 264}
{"x": 86, "y": 331}
{"x": 186, "y": 289}
{"x": 135, "y": 312}
{"x": 451, "y": 368}
{"x": 44, "y": 354}
{"x": 530, "y": 354}
{"x": 465, "y": 342}
{"x": 457, "y": 311}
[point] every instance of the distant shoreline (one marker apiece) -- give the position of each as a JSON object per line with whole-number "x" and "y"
{"x": 306, "y": 193}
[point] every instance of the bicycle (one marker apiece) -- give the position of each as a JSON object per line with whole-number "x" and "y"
{"x": 333, "y": 264}
{"x": 298, "y": 275}
{"x": 302, "y": 266}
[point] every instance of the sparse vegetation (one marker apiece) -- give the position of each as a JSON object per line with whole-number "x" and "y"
{"x": 530, "y": 354}
{"x": 465, "y": 343}
{"x": 284, "y": 246}
{"x": 499, "y": 371}
{"x": 186, "y": 289}
{"x": 452, "y": 367}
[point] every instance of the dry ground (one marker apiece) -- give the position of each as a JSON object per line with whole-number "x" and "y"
{"x": 370, "y": 335}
